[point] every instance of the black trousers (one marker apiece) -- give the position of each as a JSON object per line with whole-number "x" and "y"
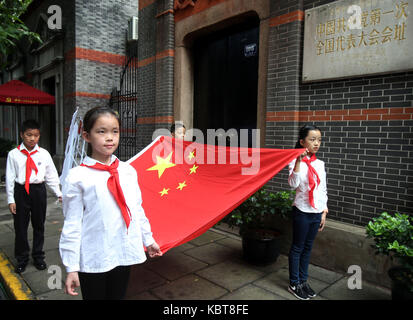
{"x": 110, "y": 285}
{"x": 29, "y": 207}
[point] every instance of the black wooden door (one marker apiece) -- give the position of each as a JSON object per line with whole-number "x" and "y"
{"x": 226, "y": 79}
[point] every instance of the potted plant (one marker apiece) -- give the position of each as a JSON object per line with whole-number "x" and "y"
{"x": 393, "y": 236}
{"x": 260, "y": 243}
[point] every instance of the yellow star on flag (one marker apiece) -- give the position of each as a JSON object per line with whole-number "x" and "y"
{"x": 162, "y": 164}
{"x": 191, "y": 155}
{"x": 193, "y": 169}
{"x": 164, "y": 191}
{"x": 181, "y": 185}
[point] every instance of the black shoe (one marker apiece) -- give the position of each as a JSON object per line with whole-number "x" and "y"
{"x": 307, "y": 289}
{"x": 298, "y": 292}
{"x": 20, "y": 268}
{"x": 40, "y": 265}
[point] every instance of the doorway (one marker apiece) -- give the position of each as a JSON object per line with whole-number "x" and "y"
{"x": 226, "y": 79}
{"x": 47, "y": 119}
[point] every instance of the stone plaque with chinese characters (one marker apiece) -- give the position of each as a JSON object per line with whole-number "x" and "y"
{"x": 350, "y": 38}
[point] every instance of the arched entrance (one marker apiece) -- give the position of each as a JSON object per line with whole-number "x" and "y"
{"x": 215, "y": 26}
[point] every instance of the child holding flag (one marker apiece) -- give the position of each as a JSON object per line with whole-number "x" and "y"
{"x": 105, "y": 226}
{"x": 308, "y": 177}
{"x": 28, "y": 169}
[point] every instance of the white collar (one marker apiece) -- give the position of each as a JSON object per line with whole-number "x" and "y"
{"x": 23, "y": 147}
{"x": 90, "y": 161}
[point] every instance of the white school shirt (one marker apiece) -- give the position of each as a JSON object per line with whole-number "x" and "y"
{"x": 299, "y": 182}
{"x": 16, "y": 171}
{"x": 94, "y": 236}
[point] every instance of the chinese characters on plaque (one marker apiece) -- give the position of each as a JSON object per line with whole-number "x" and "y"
{"x": 348, "y": 38}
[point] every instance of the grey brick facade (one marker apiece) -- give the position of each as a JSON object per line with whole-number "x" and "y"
{"x": 369, "y": 163}
{"x": 100, "y": 26}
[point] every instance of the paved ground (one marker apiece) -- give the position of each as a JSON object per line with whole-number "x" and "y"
{"x": 208, "y": 268}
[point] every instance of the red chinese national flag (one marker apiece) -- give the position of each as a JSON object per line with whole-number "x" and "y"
{"x": 188, "y": 187}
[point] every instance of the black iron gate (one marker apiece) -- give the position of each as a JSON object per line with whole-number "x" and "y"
{"x": 125, "y": 102}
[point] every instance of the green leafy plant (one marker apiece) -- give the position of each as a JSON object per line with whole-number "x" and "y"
{"x": 393, "y": 236}
{"x": 12, "y": 28}
{"x": 255, "y": 212}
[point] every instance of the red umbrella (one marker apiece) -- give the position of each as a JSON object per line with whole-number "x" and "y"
{"x": 17, "y": 92}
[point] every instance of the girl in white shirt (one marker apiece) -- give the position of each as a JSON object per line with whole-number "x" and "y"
{"x": 308, "y": 177}
{"x": 105, "y": 227}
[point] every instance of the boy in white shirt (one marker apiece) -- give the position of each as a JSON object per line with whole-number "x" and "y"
{"x": 28, "y": 169}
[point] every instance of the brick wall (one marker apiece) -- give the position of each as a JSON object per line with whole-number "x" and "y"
{"x": 155, "y": 72}
{"x": 366, "y": 122}
{"x": 165, "y": 52}
{"x": 100, "y": 49}
{"x": 100, "y": 55}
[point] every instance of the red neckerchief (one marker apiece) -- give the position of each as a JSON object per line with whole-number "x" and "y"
{"x": 114, "y": 187}
{"x": 311, "y": 182}
{"x": 30, "y": 165}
